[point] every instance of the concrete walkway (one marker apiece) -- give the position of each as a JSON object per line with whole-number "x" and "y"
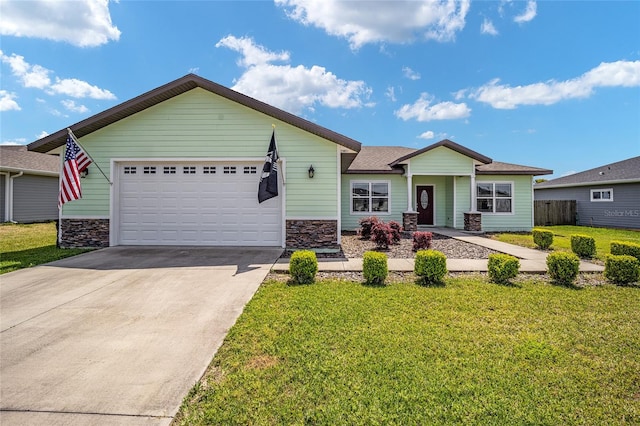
{"x": 531, "y": 261}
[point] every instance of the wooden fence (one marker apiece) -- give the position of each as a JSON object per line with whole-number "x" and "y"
{"x": 554, "y": 212}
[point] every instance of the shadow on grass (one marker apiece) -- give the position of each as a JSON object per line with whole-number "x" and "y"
{"x": 12, "y": 261}
{"x": 508, "y": 284}
{"x": 569, "y": 285}
{"x": 422, "y": 282}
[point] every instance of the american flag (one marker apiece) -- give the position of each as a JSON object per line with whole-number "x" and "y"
{"x": 75, "y": 161}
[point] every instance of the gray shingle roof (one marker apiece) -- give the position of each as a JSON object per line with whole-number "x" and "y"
{"x": 175, "y": 88}
{"x": 499, "y": 168}
{"x": 16, "y": 158}
{"x": 621, "y": 171}
{"x": 377, "y": 159}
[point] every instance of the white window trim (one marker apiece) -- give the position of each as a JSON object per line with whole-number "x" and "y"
{"x": 494, "y": 182}
{"x": 369, "y": 213}
{"x": 601, "y": 200}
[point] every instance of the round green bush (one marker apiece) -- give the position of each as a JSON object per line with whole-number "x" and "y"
{"x": 374, "y": 267}
{"x": 542, "y": 238}
{"x": 303, "y": 266}
{"x": 430, "y": 266}
{"x": 621, "y": 269}
{"x": 583, "y": 245}
{"x": 625, "y": 247}
{"x": 503, "y": 267}
{"x": 563, "y": 267}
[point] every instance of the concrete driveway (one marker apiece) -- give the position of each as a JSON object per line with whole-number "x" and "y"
{"x": 119, "y": 335}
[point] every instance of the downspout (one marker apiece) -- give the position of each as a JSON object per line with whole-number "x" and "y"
{"x": 10, "y": 211}
{"x": 5, "y": 176}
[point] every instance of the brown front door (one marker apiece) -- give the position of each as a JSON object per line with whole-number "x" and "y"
{"x": 424, "y": 204}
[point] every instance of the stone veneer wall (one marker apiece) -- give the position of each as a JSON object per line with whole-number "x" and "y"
{"x": 473, "y": 221}
{"x": 312, "y": 233}
{"x": 78, "y": 233}
{"x": 410, "y": 221}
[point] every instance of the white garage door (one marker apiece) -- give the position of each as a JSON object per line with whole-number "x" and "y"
{"x": 195, "y": 204}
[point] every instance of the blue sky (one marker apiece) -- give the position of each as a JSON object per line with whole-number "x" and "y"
{"x": 553, "y": 84}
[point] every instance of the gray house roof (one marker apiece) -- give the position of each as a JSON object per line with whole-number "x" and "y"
{"x": 626, "y": 171}
{"x": 388, "y": 160}
{"x": 16, "y": 158}
{"x": 175, "y": 88}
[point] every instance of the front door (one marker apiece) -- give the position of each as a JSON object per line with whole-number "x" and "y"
{"x": 424, "y": 204}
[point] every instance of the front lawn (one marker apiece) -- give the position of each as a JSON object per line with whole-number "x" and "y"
{"x": 22, "y": 246}
{"x": 562, "y": 237}
{"x": 469, "y": 352}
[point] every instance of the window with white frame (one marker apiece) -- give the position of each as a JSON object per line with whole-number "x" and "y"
{"x": 370, "y": 197}
{"x": 494, "y": 197}
{"x": 602, "y": 194}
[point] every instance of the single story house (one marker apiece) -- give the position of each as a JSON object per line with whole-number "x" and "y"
{"x": 183, "y": 163}
{"x": 28, "y": 185}
{"x": 607, "y": 196}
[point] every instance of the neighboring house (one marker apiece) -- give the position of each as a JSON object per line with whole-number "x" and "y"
{"x": 184, "y": 162}
{"x": 605, "y": 196}
{"x": 28, "y": 185}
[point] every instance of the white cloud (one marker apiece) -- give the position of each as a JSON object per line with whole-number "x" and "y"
{"x": 70, "y": 105}
{"x": 427, "y": 135}
{"x": 487, "y": 27}
{"x": 42, "y": 134}
{"x": 607, "y": 74}
{"x": 410, "y": 74}
{"x": 391, "y": 93}
{"x": 291, "y": 88}
{"x": 13, "y": 142}
{"x": 570, "y": 172}
{"x": 84, "y": 23}
{"x": 529, "y": 13}
{"x": 423, "y": 110}
{"x": 7, "y": 101}
{"x": 381, "y": 21}
{"x": 36, "y": 76}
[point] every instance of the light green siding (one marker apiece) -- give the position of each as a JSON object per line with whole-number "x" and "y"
{"x": 522, "y": 217}
{"x": 200, "y": 124}
{"x": 397, "y": 194}
{"x": 463, "y": 199}
{"x": 441, "y": 160}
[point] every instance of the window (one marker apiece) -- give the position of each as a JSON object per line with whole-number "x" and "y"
{"x": 229, "y": 170}
{"x": 189, "y": 170}
{"x": 250, "y": 170}
{"x": 149, "y": 170}
{"x": 494, "y": 197}
{"x": 129, "y": 170}
{"x": 169, "y": 170}
{"x": 209, "y": 170}
{"x": 602, "y": 194}
{"x": 369, "y": 197}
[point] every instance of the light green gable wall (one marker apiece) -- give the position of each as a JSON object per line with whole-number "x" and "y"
{"x": 201, "y": 124}
{"x": 441, "y": 160}
{"x": 398, "y": 195}
{"x": 521, "y": 220}
{"x": 463, "y": 199}
{"x": 440, "y": 195}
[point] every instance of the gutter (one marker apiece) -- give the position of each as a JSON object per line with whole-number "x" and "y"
{"x": 594, "y": 183}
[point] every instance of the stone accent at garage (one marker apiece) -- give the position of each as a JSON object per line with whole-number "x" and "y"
{"x": 79, "y": 233}
{"x": 302, "y": 233}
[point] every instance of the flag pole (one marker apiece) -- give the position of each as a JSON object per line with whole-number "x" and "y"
{"x": 88, "y": 155}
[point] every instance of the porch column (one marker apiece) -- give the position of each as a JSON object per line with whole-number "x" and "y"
{"x": 474, "y": 194}
{"x": 409, "y": 194}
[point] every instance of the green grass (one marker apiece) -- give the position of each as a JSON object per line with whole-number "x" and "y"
{"x": 23, "y": 246}
{"x": 468, "y": 352}
{"x": 562, "y": 237}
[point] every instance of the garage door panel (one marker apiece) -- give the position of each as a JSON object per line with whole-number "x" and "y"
{"x": 205, "y": 206}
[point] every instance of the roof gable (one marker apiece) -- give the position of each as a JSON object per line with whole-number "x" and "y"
{"x": 447, "y": 144}
{"x": 175, "y": 88}
{"x": 19, "y": 159}
{"x": 621, "y": 171}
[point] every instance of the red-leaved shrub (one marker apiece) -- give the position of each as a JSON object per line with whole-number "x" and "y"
{"x": 366, "y": 225}
{"x": 381, "y": 235}
{"x": 422, "y": 240}
{"x": 396, "y": 231}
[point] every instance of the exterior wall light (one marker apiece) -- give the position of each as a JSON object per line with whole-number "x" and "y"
{"x": 311, "y": 172}
{"x": 84, "y": 173}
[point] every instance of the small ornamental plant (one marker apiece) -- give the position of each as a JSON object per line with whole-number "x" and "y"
{"x": 366, "y": 225}
{"x": 625, "y": 247}
{"x": 422, "y": 240}
{"x": 396, "y": 231}
{"x": 583, "y": 245}
{"x": 503, "y": 267}
{"x": 374, "y": 267}
{"x": 542, "y": 238}
{"x": 381, "y": 234}
{"x": 430, "y": 266}
{"x": 621, "y": 269}
{"x": 303, "y": 266}
{"x": 563, "y": 267}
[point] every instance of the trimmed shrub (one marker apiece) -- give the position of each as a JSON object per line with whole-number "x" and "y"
{"x": 396, "y": 231}
{"x": 625, "y": 247}
{"x": 381, "y": 234}
{"x": 430, "y": 266}
{"x": 542, "y": 238}
{"x": 374, "y": 267}
{"x": 422, "y": 240}
{"x": 503, "y": 267}
{"x": 366, "y": 225}
{"x": 583, "y": 245}
{"x": 563, "y": 267}
{"x": 303, "y": 266}
{"x": 621, "y": 269}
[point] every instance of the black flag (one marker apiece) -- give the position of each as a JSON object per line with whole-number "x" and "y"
{"x": 268, "y": 186}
